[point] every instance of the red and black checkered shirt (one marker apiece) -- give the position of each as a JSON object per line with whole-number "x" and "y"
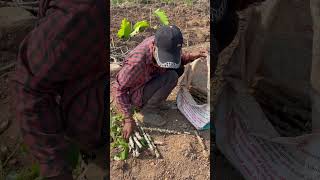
{"x": 138, "y": 68}
{"x": 64, "y": 56}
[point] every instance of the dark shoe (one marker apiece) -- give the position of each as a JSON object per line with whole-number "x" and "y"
{"x": 150, "y": 117}
{"x": 164, "y": 106}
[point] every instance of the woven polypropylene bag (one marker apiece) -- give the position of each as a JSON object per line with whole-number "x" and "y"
{"x": 196, "y": 75}
{"x": 270, "y": 80}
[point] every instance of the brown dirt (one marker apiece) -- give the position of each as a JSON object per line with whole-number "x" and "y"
{"x": 183, "y": 158}
{"x": 194, "y": 22}
{"x": 182, "y": 154}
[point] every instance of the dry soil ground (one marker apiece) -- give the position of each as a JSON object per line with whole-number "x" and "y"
{"x": 183, "y": 158}
{"x": 182, "y": 154}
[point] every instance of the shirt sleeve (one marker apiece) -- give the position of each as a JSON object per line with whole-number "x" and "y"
{"x": 45, "y": 66}
{"x": 186, "y": 58}
{"x": 41, "y": 128}
{"x": 128, "y": 77}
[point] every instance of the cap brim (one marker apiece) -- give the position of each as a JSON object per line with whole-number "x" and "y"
{"x": 167, "y": 59}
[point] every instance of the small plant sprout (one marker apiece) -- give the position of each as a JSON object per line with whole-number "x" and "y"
{"x": 163, "y": 18}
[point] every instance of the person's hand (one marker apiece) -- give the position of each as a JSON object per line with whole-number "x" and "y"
{"x": 199, "y": 54}
{"x": 128, "y": 127}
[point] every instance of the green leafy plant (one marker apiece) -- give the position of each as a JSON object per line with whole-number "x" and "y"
{"x": 118, "y": 141}
{"x": 163, "y": 18}
{"x": 140, "y": 25}
{"x": 115, "y": 129}
{"x": 127, "y": 31}
{"x": 123, "y": 147}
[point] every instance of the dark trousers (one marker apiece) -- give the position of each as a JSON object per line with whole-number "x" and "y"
{"x": 158, "y": 89}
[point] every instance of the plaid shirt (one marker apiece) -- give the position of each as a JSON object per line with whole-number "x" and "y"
{"x": 59, "y": 81}
{"x": 138, "y": 68}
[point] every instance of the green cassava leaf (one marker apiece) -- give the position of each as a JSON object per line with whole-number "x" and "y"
{"x": 119, "y": 142}
{"x": 124, "y": 154}
{"x": 125, "y": 29}
{"x": 117, "y": 158}
{"x": 138, "y": 27}
{"x": 144, "y": 142}
{"x": 162, "y": 17}
{"x": 123, "y": 143}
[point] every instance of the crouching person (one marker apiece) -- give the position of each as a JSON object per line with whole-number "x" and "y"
{"x": 149, "y": 74}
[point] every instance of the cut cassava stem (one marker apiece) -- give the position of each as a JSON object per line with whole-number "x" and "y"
{"x": 137, "y": 142}
{"x": 167, "y": 131}
{"x": 137, "y": 135}
{"x": 146, "y": 138}
{"x": 131, "y": 144}
{"x": 148, "y": 142}
{"x": 136, "y": 152}
{"x": 154, "y": 147}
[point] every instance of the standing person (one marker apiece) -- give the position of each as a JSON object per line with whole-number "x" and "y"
{"x": 59, "y": 82}
{"x": 149, "y": 74}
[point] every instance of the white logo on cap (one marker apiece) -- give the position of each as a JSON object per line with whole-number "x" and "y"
{"x": 179, "y": 45}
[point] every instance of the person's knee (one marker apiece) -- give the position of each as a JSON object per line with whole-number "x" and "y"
{"x": 180, "y": 71}
{"x": 172, "y": 77}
